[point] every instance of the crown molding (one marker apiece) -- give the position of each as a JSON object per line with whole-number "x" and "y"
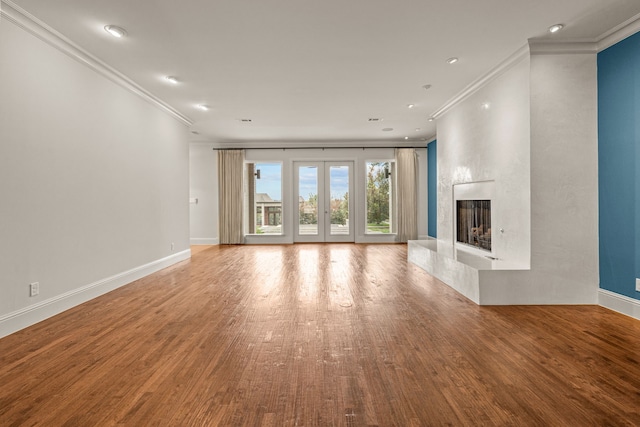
{"x": 325, "y": 144}
{"x": 23, "y": 19}
{"x": 312, "y": 144}
{"x": 559, "y": 47}
{"x": 619, "y": 33}
{"x": 500, "y": 69}
{"x": 431, "y": 139}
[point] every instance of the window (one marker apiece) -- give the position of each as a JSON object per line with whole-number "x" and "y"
{"x": 263, "y": 197}
{"x": 380, "y": 197}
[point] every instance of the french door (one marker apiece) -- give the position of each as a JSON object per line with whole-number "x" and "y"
{"x": 324, "y": 191}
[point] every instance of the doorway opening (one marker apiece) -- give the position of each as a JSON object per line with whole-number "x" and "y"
{"x": 325, "y": 211}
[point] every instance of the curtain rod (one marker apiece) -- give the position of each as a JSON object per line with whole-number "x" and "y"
{"x": 313, "y": 148}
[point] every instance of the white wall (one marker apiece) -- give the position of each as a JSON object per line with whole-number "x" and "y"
{"x": 203, "y": 184}
{"x": 477, "y": 145}
{"x": 564, "y": 171}
{"x": 93, "y": 182}
{"x": 564, "y": 188}
{"x": 201, "y": 173}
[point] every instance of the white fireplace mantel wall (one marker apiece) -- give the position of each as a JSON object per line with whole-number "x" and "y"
{"x": 486, "y": 139}
{"x": 538, "y": 141}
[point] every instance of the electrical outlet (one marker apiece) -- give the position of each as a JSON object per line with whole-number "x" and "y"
{"x": 34, "y": 289}
{"x": 638, "y": 285}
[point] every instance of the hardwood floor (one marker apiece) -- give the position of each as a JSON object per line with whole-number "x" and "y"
{"x": 315, "y": 335}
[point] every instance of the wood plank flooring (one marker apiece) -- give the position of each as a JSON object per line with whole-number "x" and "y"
{"x": 317, "y": 335}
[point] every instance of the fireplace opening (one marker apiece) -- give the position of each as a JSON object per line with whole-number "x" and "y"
{"x": 474, "y": 223}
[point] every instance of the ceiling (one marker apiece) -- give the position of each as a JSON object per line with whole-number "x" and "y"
{"x": 305, "y": 71}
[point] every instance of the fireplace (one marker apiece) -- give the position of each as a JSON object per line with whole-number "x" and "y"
{"x": 474, "y": 223}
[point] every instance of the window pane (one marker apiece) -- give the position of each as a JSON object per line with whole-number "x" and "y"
{"x": 308, "y": 203}
{"x": 339, "y": 199}
{"x": 379, "y": 197}
{"x": 264, "y": 198}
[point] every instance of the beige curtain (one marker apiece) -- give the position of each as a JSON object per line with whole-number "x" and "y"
{"x": 230, "y": 194}
{"x": 407, "y": 183}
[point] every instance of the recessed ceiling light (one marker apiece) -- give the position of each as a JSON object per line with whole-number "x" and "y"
{"x": 172, "y": 79}
{"x": 195, "y": 132}
{"x": 430, "y": 119}
{"x": 452, "y": 60}
{"x": 417, "y": 129}
{"x": 387, "y": 129}
{"x": 375, "y": 119}
{"x": 406, "y": 137}
{"x": 115, "y": 31}
{"x": 410, "y": 105}
{"x": 202, "y": 107}
{"x": 485, "y": 105}
{"x": 426, "y": 87}
{"x": 245, "y": 120}
{"x": 556, "y": 28}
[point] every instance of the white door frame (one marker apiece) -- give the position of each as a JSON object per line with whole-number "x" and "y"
{"x": 324, "y": 230}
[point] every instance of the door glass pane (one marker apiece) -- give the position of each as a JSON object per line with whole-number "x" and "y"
{"x": 308, "y": 200}
{"x": 264, "y": 198}
{"x": 379, "y": 197}
{"x": 339, "y": 199}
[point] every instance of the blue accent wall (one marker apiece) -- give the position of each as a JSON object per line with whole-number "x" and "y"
{"x": 619, "y": 166}
{"x": 432, "y": 188}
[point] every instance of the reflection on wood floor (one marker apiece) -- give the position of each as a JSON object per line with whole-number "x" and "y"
{"x": 315, "y": 335}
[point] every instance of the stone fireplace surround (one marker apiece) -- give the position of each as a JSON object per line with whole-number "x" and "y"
{"x": 468, "y": 270}
{"x": 472, "y": 191}
{"x": 538, "y": 143}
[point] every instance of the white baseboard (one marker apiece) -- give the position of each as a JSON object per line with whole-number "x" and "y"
{"x": 620, "y": 303}
{"x": 205, "y": 241}
{"x": 20, "y": 319}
